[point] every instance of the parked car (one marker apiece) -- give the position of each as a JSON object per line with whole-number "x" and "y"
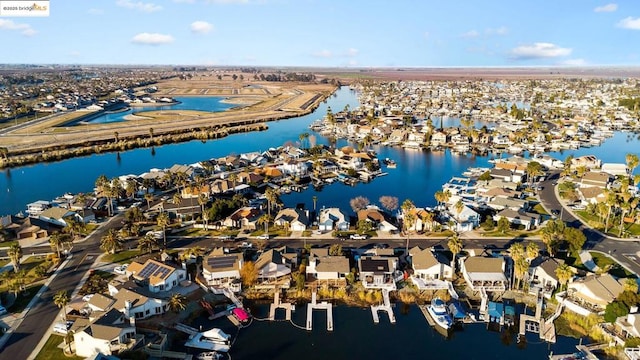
{"x": 226, "y": 238}
{"x": 246, "y": 245}
{"x": 263, "y": 237}
{"x": 121, "y": 269}
{"x": 62, "y": 328}
{"x": 358, "y": 237}
{"x": 2, "y": 310}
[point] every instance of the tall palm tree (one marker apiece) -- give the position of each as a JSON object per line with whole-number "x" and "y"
{"x": 163, "y": 222}
{"x": 534, "y": 169}
{"x": 455, "y": 246}
{"x": 532, "y": 251}
{"x": 272, "y": 197}
{"x": 177, "y": 199}
{"x": 233, "y": 177}
{"x": 148, "y": 197}
{"x": 177, "y": 302}
{"x": 131, "y": 188}
{"x": 408, "y": 218}
{"x": 264, "y": 220}
{"x": 192, "y": 252}
{"x": 632, "y": 162}
{"x": 61, "y": 299}
{"x": 56, "y": 241}
{"x": 111, "y": 242}
{"x": 564, "y": 273}
{"x": 147, "y": 243}
{"x": 15, "y": 254}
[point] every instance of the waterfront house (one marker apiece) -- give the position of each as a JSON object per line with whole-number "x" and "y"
{"x": 243, "y": 218}
{"x": 439, "y": 138}
{"x": 37, "y": 207}
{"x": 129, "y": 299}
{"x": 332, "y": 218}
{"x": 157, "y": 276}
{"x": 595, "y": 291}
{"x": 377, "y": 272}
{"x": 294, "y": 219}
{"x": 328, "y": 269}
{"x": 466, "y": 219}
{"x": 629, "y": 325}
{"x": 519, "y": 217}
{"x": 109, "y": 334}
{"x": 429, "y": 265}
{"x": 615, "y": 169}
{"x": 542, "y": 273}
{"x": 500, "y": 203}
{"x": 273, "y": 267}
{"x": 188, "y": 170}
{"x": 502, "y": 174}
{"x": 57, "y": 216}
{"x": 294, "y": 167}
{"x": 322, "y": 167}
{"x": 486, "y": 273}
{"x": 221, "y": 270}
{"x": 377, "y": 219}
{"x": 588, "y": 161}
{"x": 184, "y": 208}
{"x": 595, "y": 179}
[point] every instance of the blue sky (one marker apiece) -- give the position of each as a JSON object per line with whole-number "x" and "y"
{"x": 344, "y": 33}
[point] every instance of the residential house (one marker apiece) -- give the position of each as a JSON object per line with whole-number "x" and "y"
{"x": 272, "y": 267}
{"x": 327, "y": 268}
{"x": 377, "y": 272}
{"x": 243, "y": 218}
{"x": 629, "y": 325}
{"x": 156, "y": 275}
{"x": 519, "y": 217}
{"x": 57, "y": 215}
{"x": 109, "y": 334}
{"x": 100, "y": 303}
{"x": 184, "y": 208}
{"x": 542, "y": 273}
{"x": 325, "y": 167}
{"x": 439, "y": 138}
{"x": 37, "y": 207}
{"x": 195, "y": 191}
{"x": 502, "y": 174}
{"x": 595, "y": 291}
{"x": 466, "y": 219}
{"x": 222, "y": 270}
{"x": 595, "y": 179}
{"x": 377, "y": 219}
{"x": 134, "y": 303}
{"x": 486, "y": 273}
{"x": 591, "y": 195}
{"x": 430, "y": 265}
{"x": 34, "y": 228}
{"x": 588, "y": 161}
{"x": 294, "y": 219}
{"x": 332, "y": 218}
{"x": 249, "y": 178}
{"x": 615, "y": 169}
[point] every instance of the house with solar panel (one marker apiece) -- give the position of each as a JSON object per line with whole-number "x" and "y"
{"x": 377, "y": 272}
{"x": 156, "y": 275}
{"x": 221, "y": 270}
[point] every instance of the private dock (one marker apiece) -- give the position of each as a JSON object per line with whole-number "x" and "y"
{"x": 385, "y": 306}
{"x": 321, "y": 306}
{"x": 537, "y": 324}
{"x": 288, "y": 307}
{"x": 426, "y": 314}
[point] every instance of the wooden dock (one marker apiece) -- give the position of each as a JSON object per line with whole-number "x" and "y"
{"x": 385, "y": 306}
{"x": 288, "y": 307}
{"x": 321, "y": 306}
{"x": 426, "y": 314}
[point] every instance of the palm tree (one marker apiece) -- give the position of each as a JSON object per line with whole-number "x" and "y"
{"x": 176, "y": 198}
{"x": 264, "y": 220}
{"x": 192, "y": 253}
{"x": 517, "y": 253}
{"x": 61, "y": 299}
{"x": 532, "y": 251}
{"x": 233, "y": 177}
{"x": 408, "y": 218}
{"x": 455, "y": 246}
{"x": 148, "y": 197}
{"x": 632, "y": 162}
{"x": 163, "y": 222}
{"x": 552, "y": 234}
{"x": 534, "y": 169}
{"x": 56, "y": 241}
{"x": 147, "y": 243}
{"x": 131, "y": 188}
{"x": 15, "y": 254}
{"x": 272, "y": 197}
{"x": 177, "y": 302}
{"x": 564, "y": 273}
{"x": 111, "y": 242}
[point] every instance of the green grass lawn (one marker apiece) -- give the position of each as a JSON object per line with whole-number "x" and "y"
{"x": 540, "y": 210}
{"x": 122, "y": 256}
{"x": 8, "y": 243}
{"x": 50, "y": 351}
{"x": 615, "y": 269}
{"x": 24, "y": 298}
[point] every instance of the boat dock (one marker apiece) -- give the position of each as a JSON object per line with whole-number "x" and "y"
{"x": 288, "y": 307}
{"x": 385, "y": 306}
{"x": 537, "y": 324}
{"x": 321, "y": 306}
{"x": 426, "y": 314}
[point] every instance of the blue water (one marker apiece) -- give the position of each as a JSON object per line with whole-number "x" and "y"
{"x": 355, "y": 336}
{"x": 202, "y": 103}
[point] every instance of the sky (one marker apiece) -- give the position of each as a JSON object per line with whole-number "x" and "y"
{"x": 328, "y": 33}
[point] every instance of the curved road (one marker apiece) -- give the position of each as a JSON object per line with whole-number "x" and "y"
{"x": 624, "y": 251}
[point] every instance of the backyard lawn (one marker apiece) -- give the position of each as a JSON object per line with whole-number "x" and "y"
{"x": 51, "y": 351}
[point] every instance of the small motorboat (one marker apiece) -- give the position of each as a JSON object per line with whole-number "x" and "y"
{"x": 440, "y": 314}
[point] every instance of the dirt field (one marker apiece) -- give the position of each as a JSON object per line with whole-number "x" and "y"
{"x": 259, "y": 102}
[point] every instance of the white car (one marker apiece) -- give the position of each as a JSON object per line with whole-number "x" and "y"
{"x": 358, "y": 237}
{"x": 246, "y": 245}
{"x": 121, "y": 269}
{"x": 263, "y": 237}
{"x": 62, "y": 328}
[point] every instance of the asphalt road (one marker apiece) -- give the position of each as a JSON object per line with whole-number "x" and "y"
{"x": 623, "y": 251}
{"x": 35, "y": 324}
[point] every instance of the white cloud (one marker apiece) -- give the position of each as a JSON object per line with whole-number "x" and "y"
{"x": 630, "y": 23}
{"x": 606, "y": 8}
{"x": 139, "y": 5}
{"x": 323, "y": 54}
{"x": 470, "y": 34}
{"x": 352, "y": 52}
{"x": 201, "y": 27}
{"x": 152, "y": 39}
{"x": 95, "y": 11}
{"x": 574, "y": 62}
{"x": 502, "y": 30}
{"x": 24, "y": 29}
{"x": 539, "y": 51}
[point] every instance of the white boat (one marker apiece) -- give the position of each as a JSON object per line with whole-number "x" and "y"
{"x": 439, "y": 313}
{"x": 214, "y": 339}
{"x": 211, "y": 355}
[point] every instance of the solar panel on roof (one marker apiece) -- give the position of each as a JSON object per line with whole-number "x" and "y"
{"x": 221, "y": 262}
{"x": 148, "y": 270}
{"x": 162, "y": 272}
